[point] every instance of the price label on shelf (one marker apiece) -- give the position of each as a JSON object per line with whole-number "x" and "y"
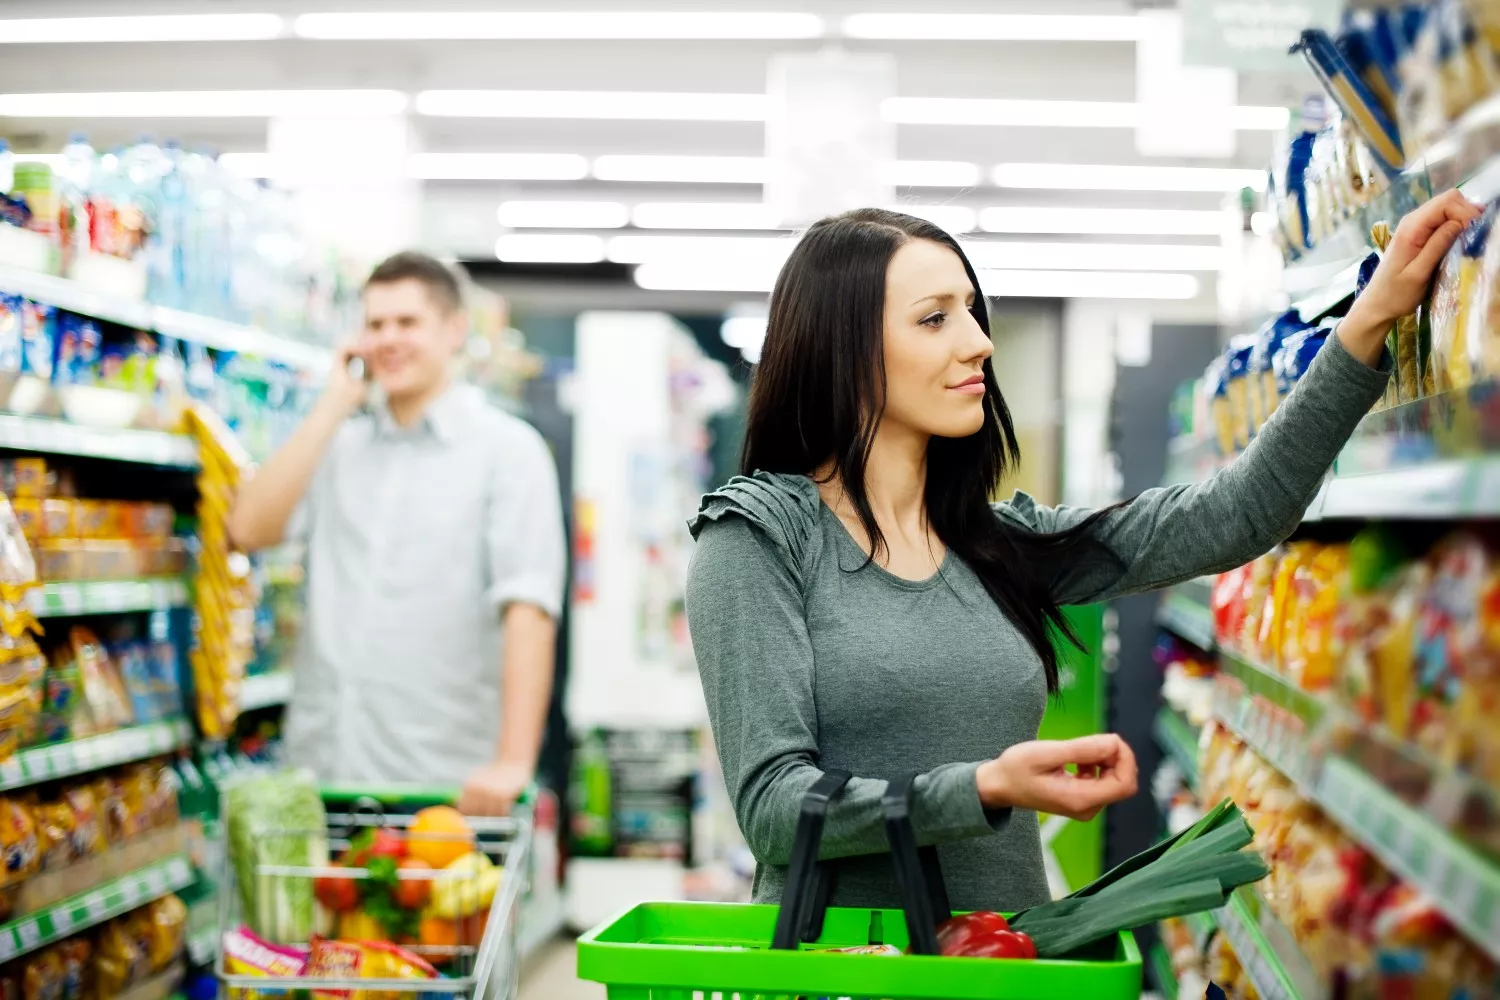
{"x": 156, "y": 884}
{"x": 7, "y": 946}
{"x": 178, "y": 871}
{"x": 93, "y": 905}
{"x": 62, "y": 921}
{"x": 70, "y": 598}
{"x": 29, "y": 934}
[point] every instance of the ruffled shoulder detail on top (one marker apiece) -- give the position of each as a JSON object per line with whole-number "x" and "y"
{"x": 1020, "y": 510}
{"x": 783, "y": 507}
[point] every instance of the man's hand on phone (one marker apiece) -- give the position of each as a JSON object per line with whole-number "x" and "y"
{"x": 345, "y": 390}
{"x": 493, "y": 789}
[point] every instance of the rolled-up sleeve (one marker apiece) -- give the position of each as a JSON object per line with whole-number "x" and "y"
{"x": 526, "y": 545}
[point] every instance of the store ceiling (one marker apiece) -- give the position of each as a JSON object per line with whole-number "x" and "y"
{"x": 460, "y": 216}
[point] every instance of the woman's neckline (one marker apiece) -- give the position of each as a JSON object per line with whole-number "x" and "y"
{"x": 849, "y": 541}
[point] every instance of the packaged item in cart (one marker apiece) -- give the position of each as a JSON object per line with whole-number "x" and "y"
{"x": 261, "y": 811}
{"x": 362, "y": 960}
{"x": 248, "y": 955}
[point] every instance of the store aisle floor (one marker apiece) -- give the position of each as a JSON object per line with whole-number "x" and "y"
{"x": 550, "y": 975}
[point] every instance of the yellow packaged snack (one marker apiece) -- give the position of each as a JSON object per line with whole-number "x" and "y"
{"x": 168, "y": 921}
{"x": 123, "y": 958}
{"x": 30, "y": 478}
{"x": 1274, "y": 615}
{"x": 19, "y": 848}
{"x": 56, "y": 835}
{"x": 88, "y": 823}
{"x": 29, "y": 517}
{"x": 1453, "y": 297}
{"x": 1310, "y": 654}
{"x": 43, "y": 978}
{"x": 102, "y": 688}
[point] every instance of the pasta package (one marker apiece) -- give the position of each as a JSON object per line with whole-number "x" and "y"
{"x": 1453, "y": 300}
{"x": 1354, "y": 99}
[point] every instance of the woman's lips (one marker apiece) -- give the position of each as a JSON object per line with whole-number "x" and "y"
{"x": 970, "y": 386}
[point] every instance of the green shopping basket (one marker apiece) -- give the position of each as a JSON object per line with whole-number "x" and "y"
{"x": 715, "y": 951}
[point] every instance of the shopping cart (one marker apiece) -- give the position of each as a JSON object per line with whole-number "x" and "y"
{"x": 482, "y": 965}
{"x": 712, "y": 951}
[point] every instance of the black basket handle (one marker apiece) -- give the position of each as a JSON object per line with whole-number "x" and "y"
{"x": 924, "y": 896}
{"x": 809, "y": 882}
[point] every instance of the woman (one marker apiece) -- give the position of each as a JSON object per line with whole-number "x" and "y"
{"x": 856, "y": 602}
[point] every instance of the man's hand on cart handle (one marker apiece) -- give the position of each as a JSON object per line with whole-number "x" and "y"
{"x": 1035, "y": 775}
{"x": 494, "y": 788}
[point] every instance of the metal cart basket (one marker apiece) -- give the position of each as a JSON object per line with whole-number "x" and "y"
{"x": 482, "y": 964}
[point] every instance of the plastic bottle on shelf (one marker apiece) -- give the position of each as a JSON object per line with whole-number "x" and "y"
{"x": 167, "y": 278}
{"x": 7, "y": 168}
{"x": 141, "y": 170}
{"x": 75, "y": 183}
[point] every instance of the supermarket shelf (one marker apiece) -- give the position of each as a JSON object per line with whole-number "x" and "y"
{"x": 1267, "y": 950}
{"x": 203, "y": 948}
{"x": 1175, "y": 735}
{"x": 1277, "y": 721}
{"x": 58, "y": 437}
{"x": 103, "y": 597}
{"x": 1202, "y": 926}
{"x": 89, "y": 909}
{"x": 62, "y": 760}
{"x": 1463, "y": 884}
{"x": 1161, "y": 972}
{"x": 1182, "y": 615}
{"x": 218, "y": 334}
{"x": 266, "y": 690}
{"x": 1454, "y": 488}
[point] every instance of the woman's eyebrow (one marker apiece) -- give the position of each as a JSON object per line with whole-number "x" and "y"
{"x": 939, "y": 297}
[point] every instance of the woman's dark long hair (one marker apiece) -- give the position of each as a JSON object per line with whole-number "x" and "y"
{"x": 819, "y": 395}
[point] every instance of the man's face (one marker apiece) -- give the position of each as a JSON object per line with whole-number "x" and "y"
{"x": 409, "y": 339}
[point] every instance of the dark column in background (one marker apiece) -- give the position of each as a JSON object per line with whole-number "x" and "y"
{"x": 1139, "y": 436}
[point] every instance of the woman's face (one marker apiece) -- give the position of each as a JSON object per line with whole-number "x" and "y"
{"x": 934, "y": 349}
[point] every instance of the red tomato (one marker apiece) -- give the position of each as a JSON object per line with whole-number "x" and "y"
{"x": 381, "y": 843}
{"x": 1001, "y": 944}
{"x": 413, "y": 893}
{"x": 337, "y": 894}
{"x": 1026, "y": 940}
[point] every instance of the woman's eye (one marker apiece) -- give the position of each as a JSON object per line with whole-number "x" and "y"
{"x": 935, "y": 320}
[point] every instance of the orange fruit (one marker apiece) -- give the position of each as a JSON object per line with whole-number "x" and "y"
{"x": 439, "y": 835}
{"x": 435, "y": 933}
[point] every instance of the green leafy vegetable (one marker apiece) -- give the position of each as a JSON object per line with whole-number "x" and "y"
{"x": 380, "y": 899}
{"x": 1192, "y": 872}
{"x": 277, "y": 821}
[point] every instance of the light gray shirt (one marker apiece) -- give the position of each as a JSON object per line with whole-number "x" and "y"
{"x": 812, "y": 657}
{"x": 417, "y": 539}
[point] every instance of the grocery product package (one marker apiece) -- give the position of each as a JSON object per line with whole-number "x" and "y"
{"x": 1261, "y": 389}
{"x": 277, "y": 819}
{"x": 1354, "y": 99}
{"x": 1453, "y": 299}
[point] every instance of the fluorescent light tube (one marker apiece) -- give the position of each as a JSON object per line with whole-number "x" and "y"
{"x": 1095, "y": 177}
{"x": 563, "y": 215}
{"x": 638, "y": 248}
{"x": 934, "y": 173}
{"x": 143, "y": 28}
{"x": 705, "y": 215}
{"x": 606, "y": 104}
{"x": 551, "y": 248}
{"x": 689, "y": 277}
{"x": 1103, "y": 221}
{"x": 1088, "y": 285}
{"x": 1048, "y": 114}
{"x": 681, "y": 169}
{"x": 994, "y": 27}
{"x": 591, "y": 24}
{"x": 951, "y": 218}
{"x": 205, "y": 104}
{"x": 996, "y": 255}
{"x": 498, "y": 166}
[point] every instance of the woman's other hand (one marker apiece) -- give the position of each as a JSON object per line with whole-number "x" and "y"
{"x": 1406, "y": 268}
{"x": 1035, "y": 776}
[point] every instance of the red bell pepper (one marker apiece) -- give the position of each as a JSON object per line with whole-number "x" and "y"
{"x": 983, "y": 934}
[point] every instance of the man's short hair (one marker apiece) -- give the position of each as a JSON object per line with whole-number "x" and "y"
{"x": 411, "y": 265}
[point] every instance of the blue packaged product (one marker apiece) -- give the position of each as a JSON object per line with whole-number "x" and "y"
{"x": 79, "y": 343}
{"x": 38, "y": 335}
{"x": 10, "y": 333}
{"x": 1293, "y": 209}
{"x": 1354, "y": 98}
{"x": 1358, "y": 40}
{"x": 1262, "y": 374}
{"x": 1295, "y": 356}
{"x": 1237, "y": 388}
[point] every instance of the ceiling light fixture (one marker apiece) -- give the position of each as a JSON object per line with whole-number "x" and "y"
{"x": 696, "y": 277}
{"x": 1087, "y": 285}
{"x": 1095, "y": 177}
{"x": 142, "y": 28}
{"x": 705, "y": 215}
{"x": 569, "y": 25}
{"x": 1047, "y": 114}
{"x": 999, "y": 255}
{"x": 602, "y": 104}
{"x": 641, "y": 248}
{"x": 562, "y": 215}
{"x": 205, "y": 104}
{"x": 498, "y": 166}
{"x": 994, "y": 27}
{"x": 1101, "y": 221}
{"x": 681, "y": 169}
{"x": 550, "y": 248}
{"x": 934, "y": 173}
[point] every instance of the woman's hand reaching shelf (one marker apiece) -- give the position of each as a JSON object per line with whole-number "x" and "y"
{"x": 1035, "y": 775}
{"x": 1401, "y": 281}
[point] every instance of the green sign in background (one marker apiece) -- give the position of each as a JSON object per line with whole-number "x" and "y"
{"x": 1078, "y": 711}
{"x": 1251, "y": 36}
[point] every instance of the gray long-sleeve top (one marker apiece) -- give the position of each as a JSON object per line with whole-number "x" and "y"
{"x": 810, "y": 662}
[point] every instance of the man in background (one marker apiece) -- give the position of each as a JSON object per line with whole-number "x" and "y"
{"x": 435, "y": 558}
